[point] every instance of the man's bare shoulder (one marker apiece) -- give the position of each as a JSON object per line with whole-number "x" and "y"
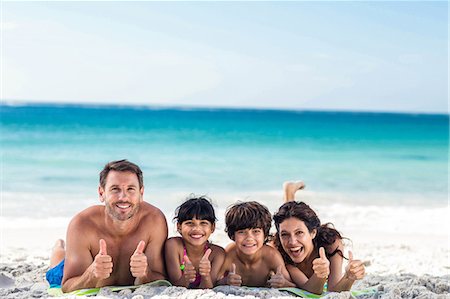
{"x": 152, "y": 212}
{"x": 87, "y": 217}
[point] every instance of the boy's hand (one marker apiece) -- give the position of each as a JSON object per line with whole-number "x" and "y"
{"x": 138, "y": 261}
{"x": 355, "y": 269}
{"x": 204, "y": 267}
{"x": 321, "y": 265}
{"x": 189, "y": 270}
{"x": 277, "y": 280}
{"x": 102, "y": 265}
{"x": 234, "y": 279}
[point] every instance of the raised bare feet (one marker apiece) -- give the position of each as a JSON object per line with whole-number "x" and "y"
{"x": 290, "y": 188}
{"x": 58, "y": 253}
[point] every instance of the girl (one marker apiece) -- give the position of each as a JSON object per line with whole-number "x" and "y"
{"x": 313, "y": 253}
{"x": 191, "y": 260}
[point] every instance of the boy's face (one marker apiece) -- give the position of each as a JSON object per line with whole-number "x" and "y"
{"x": 249, "y": 241}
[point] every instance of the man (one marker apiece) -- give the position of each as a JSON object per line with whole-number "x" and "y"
{"x": 120, "y": 242}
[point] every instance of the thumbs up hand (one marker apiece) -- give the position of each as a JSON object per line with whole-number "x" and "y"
{"x": 321, "y": 265}
{"x": 102, "y": 265}
{"x": 277, "y": 280}
{"x": 355, "y": 269}
{"x": 189, "y": 270}
{"x": 138, "y": 261}
{"x": 234, "y": 279}
{"x": 204, "y": 267}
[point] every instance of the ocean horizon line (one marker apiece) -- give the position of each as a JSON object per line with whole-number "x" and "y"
{"x": 96, "y": 105}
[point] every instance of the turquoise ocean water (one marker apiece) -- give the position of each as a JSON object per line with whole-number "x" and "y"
{"x": 51, "y": 155}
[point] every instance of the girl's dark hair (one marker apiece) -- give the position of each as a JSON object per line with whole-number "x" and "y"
{"x": 326, "y": 233}
{"x": 195, "y": 207}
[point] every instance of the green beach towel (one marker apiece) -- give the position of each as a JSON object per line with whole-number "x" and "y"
{"x": 305, "y": 294}
{"x": 94, "y": 291}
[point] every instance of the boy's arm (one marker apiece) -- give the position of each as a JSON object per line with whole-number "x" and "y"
{"x": 281, "y": 278}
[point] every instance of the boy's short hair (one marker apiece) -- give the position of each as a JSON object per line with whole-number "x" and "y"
{"x": 243, "y": 215}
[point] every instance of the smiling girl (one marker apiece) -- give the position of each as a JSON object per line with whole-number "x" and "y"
{"x": 191, "y": 260}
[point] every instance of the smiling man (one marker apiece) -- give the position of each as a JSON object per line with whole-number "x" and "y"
{"x": 120, "y": 242}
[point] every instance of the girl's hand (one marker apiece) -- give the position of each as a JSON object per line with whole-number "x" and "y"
{"x": 321, "y": 265}
{"x": 189, "y": 270}
{"x": 355, "y": 269}
{"x": 277, "y": 280}
{"x": 234, "y": 279}
{"x": 204, "y": 267}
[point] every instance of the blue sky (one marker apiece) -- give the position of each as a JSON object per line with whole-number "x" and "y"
{"x": 369, "y": 56}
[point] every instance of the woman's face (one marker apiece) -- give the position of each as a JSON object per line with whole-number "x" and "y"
{"x": 296, "y": 240}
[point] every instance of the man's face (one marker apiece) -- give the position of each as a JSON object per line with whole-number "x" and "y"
{"x": 121, "y": 194}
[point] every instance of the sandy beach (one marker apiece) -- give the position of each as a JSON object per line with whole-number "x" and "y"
{"x": 400, "y": 264}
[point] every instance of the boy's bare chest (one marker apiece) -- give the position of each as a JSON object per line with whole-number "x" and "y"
{"x": 254, "y": 275}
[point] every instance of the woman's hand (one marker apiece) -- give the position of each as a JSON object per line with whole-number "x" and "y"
{"x": 321, "y": 265}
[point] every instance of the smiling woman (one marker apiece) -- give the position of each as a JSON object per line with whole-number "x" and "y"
{"x": 313, "y": 252}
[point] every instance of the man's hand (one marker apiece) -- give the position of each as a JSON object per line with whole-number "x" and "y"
{"x": 277, "y": 280}
{"x": 138, "y": 261}
{"x": 234, "y": 279}
{"x": 321, "y": 265}
{"x": 102, "y": 265}
{"x": 355, "y": 269}
{"x": 204, "y": 267}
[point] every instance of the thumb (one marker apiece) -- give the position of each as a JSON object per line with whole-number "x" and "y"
{"x": 140, "y": 248}
{"x": 350, "y": 256}
{"x": 187, "y": 260}
{"x": 102, "y": 245}
{"x": 206, "y": 255}
{"x": 322, "y": 253}
{"x": 233, "y": 268}
{"x": 279, "y": 270}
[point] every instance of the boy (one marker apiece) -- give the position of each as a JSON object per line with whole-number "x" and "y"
{"x": 249, "y": 261}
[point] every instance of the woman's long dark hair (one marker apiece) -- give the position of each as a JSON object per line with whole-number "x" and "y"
{"x": 326, "y": 234}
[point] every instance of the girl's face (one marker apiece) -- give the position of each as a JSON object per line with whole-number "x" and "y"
{"x": 249, "y": 241}
{"x": 296, "y": 240}
{"x": 196, "y": 232}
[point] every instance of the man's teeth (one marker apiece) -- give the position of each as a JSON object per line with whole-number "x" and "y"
{"x": 123, "y": 206}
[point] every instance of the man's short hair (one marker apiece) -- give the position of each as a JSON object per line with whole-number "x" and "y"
{"x": 243, "y": 215}
{"x": 121, "y": 165}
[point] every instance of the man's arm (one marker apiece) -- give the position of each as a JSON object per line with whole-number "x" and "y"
{"x": 155, "y": 250}
{"x": 81, "y": 270}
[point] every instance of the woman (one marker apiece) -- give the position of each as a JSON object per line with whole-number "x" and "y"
{"x": 313, "y": 253}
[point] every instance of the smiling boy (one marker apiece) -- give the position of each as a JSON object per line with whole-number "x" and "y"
{"x": 249, "y": 261}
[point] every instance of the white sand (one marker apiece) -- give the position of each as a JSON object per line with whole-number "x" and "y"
{"x": 412, "y": 262}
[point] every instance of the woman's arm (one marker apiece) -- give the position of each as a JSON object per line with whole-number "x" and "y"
{"x": 313, "y": 284}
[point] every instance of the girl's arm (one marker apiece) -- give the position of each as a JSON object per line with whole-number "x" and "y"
{"x": 217, "y": 258}
{"x": 172, "y": 256}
